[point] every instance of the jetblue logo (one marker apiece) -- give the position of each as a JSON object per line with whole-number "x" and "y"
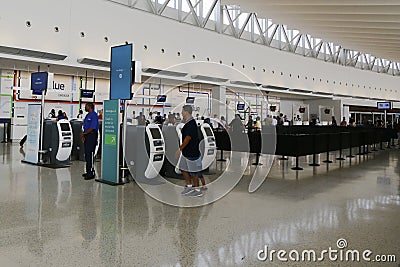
{"x": 58, "y": 86}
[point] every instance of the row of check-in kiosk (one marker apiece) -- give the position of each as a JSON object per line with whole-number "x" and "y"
{"x": 150, "y": 150}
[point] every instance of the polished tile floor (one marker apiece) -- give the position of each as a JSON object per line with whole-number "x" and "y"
{"x": 54, "y": 218}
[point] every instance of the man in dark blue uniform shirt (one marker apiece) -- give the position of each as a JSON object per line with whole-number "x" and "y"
{"x": 89, "y": 138}
{"x": 190, "y": 161}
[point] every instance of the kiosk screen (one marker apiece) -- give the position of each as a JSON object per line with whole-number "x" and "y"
{"x": 208, "y": 131}
{"x": 155, "y": 133}
{"x": 65, "y": 127}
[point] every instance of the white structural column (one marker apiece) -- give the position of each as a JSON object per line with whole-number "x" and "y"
{"x": 218, "y": 105}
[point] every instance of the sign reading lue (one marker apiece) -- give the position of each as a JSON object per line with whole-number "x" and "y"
{"x": 121, "y": 72}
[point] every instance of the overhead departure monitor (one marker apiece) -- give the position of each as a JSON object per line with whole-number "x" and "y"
{"x": 272, "y": 108}
{"x": 240, "y": 106}
{"x": 384, "y": 105}
{"x": 189, "y": 100}
{"x": 87, "y": 93}
{"x": 161, "y": 98}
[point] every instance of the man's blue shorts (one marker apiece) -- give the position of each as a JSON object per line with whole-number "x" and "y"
{"x": 191, "y": 165}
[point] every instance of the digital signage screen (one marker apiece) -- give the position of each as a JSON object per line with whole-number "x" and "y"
{"x": 39, "y": 80}
{"x": 384, "y": 105}
{"x": 189, "y": 100}
{"x": 87, "y": 93}
{"x": 161, "y": 98}
{"x": 240, "y": 106}
{"x": 121, "y": 72}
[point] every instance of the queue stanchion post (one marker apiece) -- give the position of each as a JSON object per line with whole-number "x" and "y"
{"x": 314, "y": 163}
{"x": 327, "y": 151}
{"x": 297, "y": 167}
{"x": 350, "y": 155}
{"x": 340, "y": 147}
{"x": 222, "y": 156}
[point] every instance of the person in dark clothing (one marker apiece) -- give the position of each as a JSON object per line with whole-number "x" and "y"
{"x": 189, "y": 152}
{"x": 158, "y": 119}
{"x": 236, "y": 124}
{"x": 80, "y": 114}
{"x": 250, "y": 124}
{"x": 334, "y": 123}
{"x": 89, "y": 138}
{"x": 60, "y": 115}
{"x": 52, "y": 114}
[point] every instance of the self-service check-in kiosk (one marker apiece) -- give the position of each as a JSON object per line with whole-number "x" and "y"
{"x": 208, "y": 148}
{"x": 173, "y": 135}
{"x": 145, "y": 150}
{"x": 78, "y": 149}
{"x": 57, "y": 141}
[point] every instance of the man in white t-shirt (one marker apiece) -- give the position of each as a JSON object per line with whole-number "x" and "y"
{"x": 214, "y": 122}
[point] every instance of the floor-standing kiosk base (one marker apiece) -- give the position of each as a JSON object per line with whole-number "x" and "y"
{"x": 57, "y": 144}
{"x": 145, "y": 151}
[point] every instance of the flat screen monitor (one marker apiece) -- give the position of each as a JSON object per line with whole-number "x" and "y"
{"x": 384, "y": 105}
{"x": 240, "y": 106}
{"x": 39, "y": 80}
{"x": 327, "y": 111}
{"x": 155, "y": 133}
{"x": 121, "y": 72}
{"x": 302, "y": 110}
{"x": 161, "y": 98}
{"x": 272, "y": 108}
{"x": 189, "y": 100}
{"x": 65, "y": 127}
{"x": 208, "y": 131}
{"x": 87, "y": 93}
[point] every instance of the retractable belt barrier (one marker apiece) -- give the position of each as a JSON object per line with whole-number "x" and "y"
{"x": 296, "y": 141}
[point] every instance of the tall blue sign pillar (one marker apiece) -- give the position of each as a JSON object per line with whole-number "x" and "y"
{"x": 120, "y": 89}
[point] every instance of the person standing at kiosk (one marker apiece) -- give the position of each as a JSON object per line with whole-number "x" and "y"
{"x": 89, "y": 138}
{"x": 190, "y": 161}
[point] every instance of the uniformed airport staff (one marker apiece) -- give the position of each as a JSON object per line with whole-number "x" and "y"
{"x": 89, "y": 138}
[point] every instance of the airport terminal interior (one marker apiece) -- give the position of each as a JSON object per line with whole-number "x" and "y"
{"x": 200, "y": 133}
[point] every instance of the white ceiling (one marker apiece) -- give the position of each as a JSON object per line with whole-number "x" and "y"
{"x": 369, "y": 26}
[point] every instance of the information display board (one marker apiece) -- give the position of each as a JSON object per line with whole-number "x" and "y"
{"x": 110, "y": 143}
{"x": 383, "y": 105}
{"x": 121, "y": 72}
{"x": 33, "y": 139}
